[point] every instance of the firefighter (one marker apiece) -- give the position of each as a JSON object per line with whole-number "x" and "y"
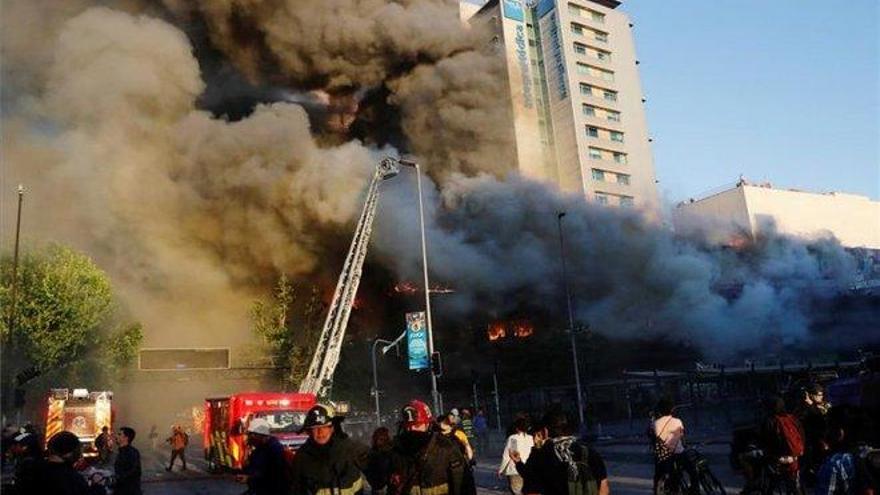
{"x": 266, "y": 469}
{"x": 327, "y": 463}
{"x": 178, "y": 441}
{"x": 424, "y": 461}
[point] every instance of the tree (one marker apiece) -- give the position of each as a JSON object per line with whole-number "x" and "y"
{"x": 63, "y": 316}
{"x": 275, "y": 320}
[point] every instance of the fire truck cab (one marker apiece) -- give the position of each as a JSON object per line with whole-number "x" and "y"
{"x": 227, "y": 418}
{"x": 80, "y": 412}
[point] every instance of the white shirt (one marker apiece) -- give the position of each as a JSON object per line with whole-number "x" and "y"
{"x": 521, "y": 443}
{"x": 671, "y": 431}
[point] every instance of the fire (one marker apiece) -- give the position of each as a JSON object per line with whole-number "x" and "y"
{"x": 409, "y": 288}
{"x": 519, "y": 329}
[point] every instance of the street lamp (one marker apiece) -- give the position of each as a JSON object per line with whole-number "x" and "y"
{"x": 388, "y": 344}
{"x": 435, "y": 396}
{"x": 574, "y": 354}
{"x": 14, "y": 305}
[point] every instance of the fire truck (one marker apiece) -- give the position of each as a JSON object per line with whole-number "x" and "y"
{"x": 227, "y": 419}
{"x": 80, "y": 412}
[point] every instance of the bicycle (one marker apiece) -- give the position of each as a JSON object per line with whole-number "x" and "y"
{"x": 769, "y": 478}
{"x": 689, "y": 473}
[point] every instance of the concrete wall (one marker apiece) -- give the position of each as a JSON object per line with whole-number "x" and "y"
{"x": 854, "y": 220}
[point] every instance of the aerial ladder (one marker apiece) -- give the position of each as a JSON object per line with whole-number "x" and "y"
{"x": 319, "y": 378}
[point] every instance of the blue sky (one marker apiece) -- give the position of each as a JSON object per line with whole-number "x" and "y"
{"x": 779, "y": 90}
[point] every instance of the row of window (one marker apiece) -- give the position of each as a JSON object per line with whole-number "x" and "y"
{"x": 604, "y": 198}
{"x": 607, "y": 155}
{"x": 602, "y": 133}
{"x": 589, "y": 51}
{"x": 601, "y": 113}
{"x": 577, "y": 10}
{"x": 589, "y": 70}
{"x": 590, "y": 33}
{"x": 607, "y": 94}
{"x": 606, "y": 176}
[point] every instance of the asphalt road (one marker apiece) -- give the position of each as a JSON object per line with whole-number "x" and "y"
{"x": 629, "y": 466}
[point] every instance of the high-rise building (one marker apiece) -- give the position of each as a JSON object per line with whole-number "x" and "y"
{"x": 577, "y": 104}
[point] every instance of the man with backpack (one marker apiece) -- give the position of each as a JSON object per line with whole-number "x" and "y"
{"x": 782, "y": 440}
{"x": 563, "y": 465}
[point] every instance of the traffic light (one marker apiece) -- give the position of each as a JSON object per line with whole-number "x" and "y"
{"x": 436, "y": 364}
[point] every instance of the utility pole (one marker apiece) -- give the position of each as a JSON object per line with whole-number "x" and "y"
{"x": 574, "y": 354}
{"x": 497, "y": 398}
{"x": 14, "y": 306}
{"x": 434, "y": 393}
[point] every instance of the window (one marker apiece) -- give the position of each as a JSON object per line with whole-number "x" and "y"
{"x": 599, "y": 36}
{"x": 623, "y": 179}
{"x": 616, "y": 136}
{"x": 626, "y": 201}
{"x": 601, "y": 198}
{"x": 583, "y": 69}
{"x": 532, "y": 43}
{"x": 597, "y": 16}
{"x": 612, "y": 115}
{"x": 595, "y": 153}
{"x": 610, "y": 95}
{"x": 598, "y": 175}
{"x": 592, "y": 131}
{"x": 577, "y": 29}
{"x": 603, "y": 56}
{"x": 589, "y": 111}
{"x": 586, "y": 89}
{"x": 619, "y": 157}
{"x": 581, "y": 49}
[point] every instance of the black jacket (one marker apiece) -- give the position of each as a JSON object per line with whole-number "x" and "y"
{"x": 335, "y": 466}
{"x": 60, "y": 479}
{"x": 378, "y": 467}
{"x": 548, "y": 474}
{"x": 267, "y": 469}
{"x": 128, "y": 471}
{"x": 430, "y": 461}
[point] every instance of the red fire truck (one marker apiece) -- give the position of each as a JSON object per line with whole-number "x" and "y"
{"x": 81, "y": 412}
{"x": 227, "y": 418}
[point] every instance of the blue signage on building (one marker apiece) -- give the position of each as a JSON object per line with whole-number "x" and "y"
{"x": 558, "y": 57}
{"x": 417, "y": 341}
{"x": 545, "y": 6}
{"x": 513, "y": 9}
{"x": 523, "y": 61}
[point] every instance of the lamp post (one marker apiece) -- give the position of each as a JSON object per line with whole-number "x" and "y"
{"x": 388, "y": 344}
{"x": 574, "y": 354}
{"x": 14, "y": 290}
{"x": 435, "y": 396}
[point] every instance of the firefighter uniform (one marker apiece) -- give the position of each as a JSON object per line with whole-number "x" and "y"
{"x": 333, "y": 468}
{"x": 425, "y": 462}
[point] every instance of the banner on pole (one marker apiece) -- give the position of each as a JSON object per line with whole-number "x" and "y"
{"x": 417, "y": 341}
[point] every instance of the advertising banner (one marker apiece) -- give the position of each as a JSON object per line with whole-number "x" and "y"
{"x": 513, "y": 9}
{"x": 417, "y": 341}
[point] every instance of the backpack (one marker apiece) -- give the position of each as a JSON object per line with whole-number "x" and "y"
{"x": 581, "y": 482}
{"x": 791, "y": 433}
{"x": 661, "y": 451}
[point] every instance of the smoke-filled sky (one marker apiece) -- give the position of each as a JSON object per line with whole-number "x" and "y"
{"x": 199, "y": 149}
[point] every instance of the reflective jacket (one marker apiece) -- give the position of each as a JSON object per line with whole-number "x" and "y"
{"x": 331, "y": 469}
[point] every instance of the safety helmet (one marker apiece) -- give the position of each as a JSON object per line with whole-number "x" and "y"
{"x": 416, "y": 412}
{"x": 259, "y": 426}
{"x": 319, "y": 415}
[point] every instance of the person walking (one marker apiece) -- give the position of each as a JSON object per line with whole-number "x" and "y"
{"x": 782, "y": 439}
{"x": 127, "y": 467}
{"x": 520, "y": 443}
{"x": 328, "y": 462}
{"x": 563, "y": 462}
{"x": 178, "y": 441}
{"x": 467, "y": 426}
{"x": 28, "y": 457}
{"x": 812, "y": 413}
{"x": 104, "y": 445}
{"x": 667, "y": 439}
{"x": 448, "y": 428}
{"x": 424, "y": 461}
{"x": 379, "y": 461}
{"x": 481, "y": 429}
{"x": 266, "y": 471}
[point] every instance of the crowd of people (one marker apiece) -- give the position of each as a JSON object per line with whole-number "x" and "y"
{"x": 813, "y": 448}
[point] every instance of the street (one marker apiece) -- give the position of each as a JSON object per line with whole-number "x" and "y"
{"x": 629, "y": 466}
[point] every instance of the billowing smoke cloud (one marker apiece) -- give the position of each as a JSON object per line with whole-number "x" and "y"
{"x": 194, "y": 215}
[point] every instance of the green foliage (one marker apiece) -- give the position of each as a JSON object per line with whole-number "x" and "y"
{"x": 62, "y": 299}
{"x": 288, "y": 329}
{"x": 63, "y": 312}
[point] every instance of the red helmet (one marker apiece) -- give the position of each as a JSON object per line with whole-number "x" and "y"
{"x": 415, "y": 413}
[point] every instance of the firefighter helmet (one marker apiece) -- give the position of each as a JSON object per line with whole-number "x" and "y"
{"x": 416, "y": 413}
{"x": 319, "y": 415}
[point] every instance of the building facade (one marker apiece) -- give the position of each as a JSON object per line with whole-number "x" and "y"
{"x": 577, "y": 104}
{"x": 754, "y": 208}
